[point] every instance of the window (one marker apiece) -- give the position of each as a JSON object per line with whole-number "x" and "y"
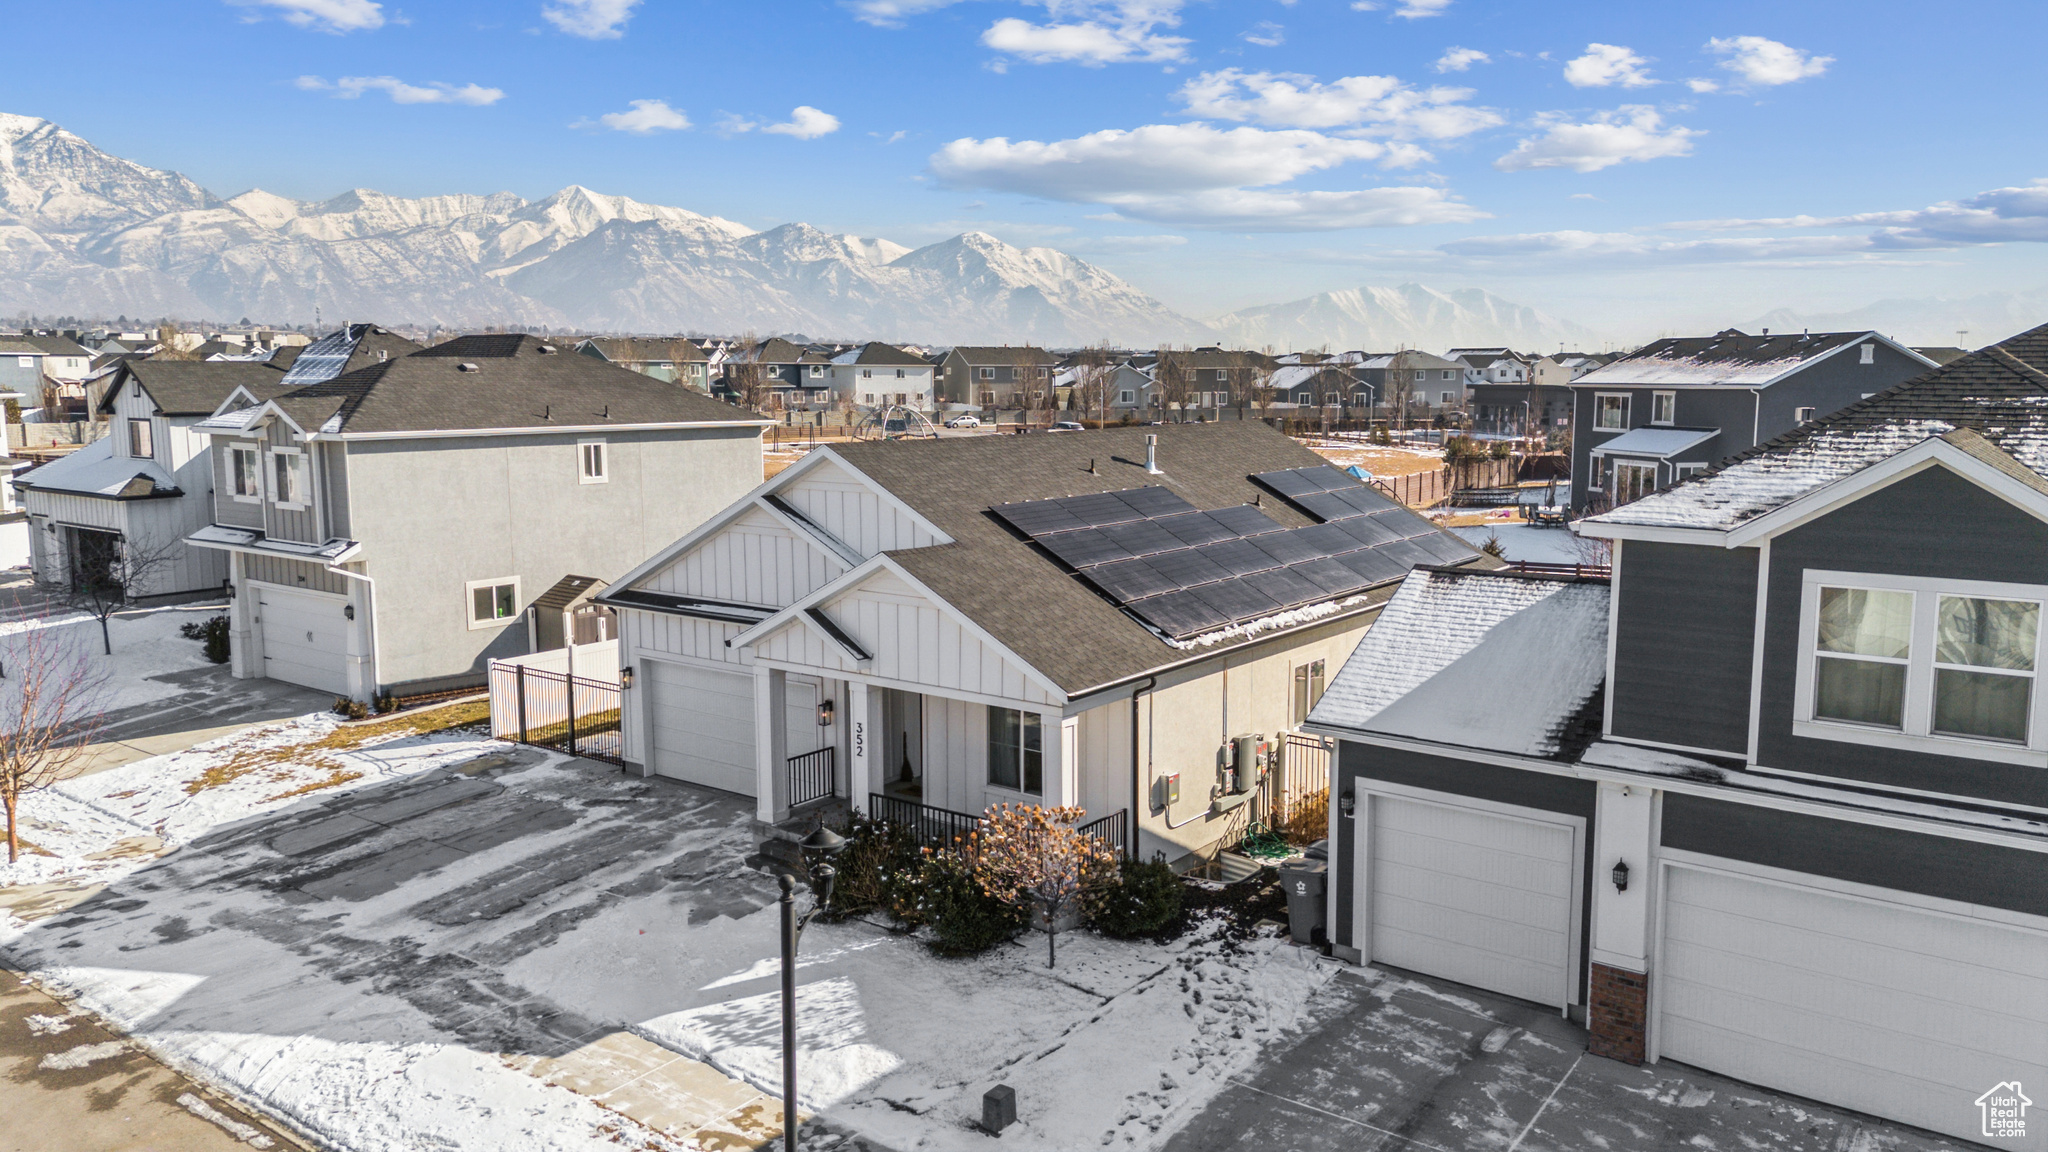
{"x": 138, "y": 438}
{"x": 899, "y": 373}
{"x": 1802, "y": 415}
{"x": 820, "y": 396}
{"x": 1663, "y": 407}
{"x": 1611, "y": 413}
{"x": 24, "y": 361}
{"x": 289, "y": 473}
{"x": 1633, "y": 481}
{"x": 867, "y": 398}
{"x": 817, "y": 370}
{"x": 1044, "y": 371}
{"x": 1126, "y": 397}
{"x": 988, "y": 373}
{"x": 869, "y": 373}
{"x": 1308, "y": 688}
{"x": 1681, "y": 471}
{"x": 1869, "y": 354}
{"x": 1420, "y": 377}
{"x": 1941, "y": 666}
{"x": 1222, "y": 374}
{"x": 493, "y": 602}
{"x": 1016, "y": 756}
{"x": 1447, "y": 375}
{"x": 590, "y": 462}
{"x": 243, "y": 474}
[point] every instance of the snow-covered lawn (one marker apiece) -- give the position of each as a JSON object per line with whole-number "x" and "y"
{"x": 147, "y": 648}
{"x": 377, "y": 958}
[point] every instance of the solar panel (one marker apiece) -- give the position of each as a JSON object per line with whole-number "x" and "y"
{"x": 1364, "y": 500}
{"x": 1189, "y": 567}
{"x": 1367, "y": 531}
{"x": 1325, "y": 506}
{"x": 1287, "y": 548}
{"x": 1099, "y": 508}
{"x": 1179, "y": 614}
{"x": 1237, "y": 600}
{"x": 1142, "y": 538}
{"x": 1373, "y": 565}
{"x": 1405, "y": 553}
{"x": 1290, "y": 483}
{"x": 1287, "y": 589}
{"x": 1238, "y": 556}
{"x": 1326, "y": 539}
{"x": 1446, "y": 548}
{"x": 322, "y": 360}
{"x": 1154, "y": 501}
{"x": 1197, "y": 528}
{"x": 1039, "y": 517}
{"x": 1330, "y": 575}
{"x": 1245, "y": 520}
{"x": 1128, "y": 580}
{"x": 1083, "y": 548}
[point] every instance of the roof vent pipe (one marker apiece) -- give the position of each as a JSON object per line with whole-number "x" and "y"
{"x": 1152, "y": 453}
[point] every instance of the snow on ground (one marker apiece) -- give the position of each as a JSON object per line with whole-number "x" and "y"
{"x": 147, "y": 646}
{"x": 382, "y": 993}
{"x": 14, "y": 544}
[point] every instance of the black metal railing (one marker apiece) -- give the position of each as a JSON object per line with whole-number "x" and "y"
{"x": 932, "y": 826}
{"x": 1111, "y": 830}
{"x": 552, "y": 710}
{"x": 811, "y": 777}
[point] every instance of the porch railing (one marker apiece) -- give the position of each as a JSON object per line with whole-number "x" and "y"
{"x": 935, "y": 826}
{"x": 811, "y": 776}
{"x": 1110, "y": 830}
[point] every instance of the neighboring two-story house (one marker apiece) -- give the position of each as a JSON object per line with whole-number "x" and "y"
{"x": 676, "y": 360}
{"x": 1091, "y": 619}
{"x": 387, "y": 529}
{"x": 1675, "y": 407}
{"x": 876, "y": 375}
{"x": 1773, "y": 801}
{"x": 793, "y": 376}
{"x": 1415, "y": 385}
{"x": 976, "y": 377}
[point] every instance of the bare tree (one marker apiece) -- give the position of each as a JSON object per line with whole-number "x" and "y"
{"x": 1173, "y": 379}
{"x": 746, "y": 375}
{"x": 1263, "y": 393}
{"x": 112, "y": 570}
{"x": 49, "y": 715}
{"x": 1091, "y": 380}
{"x": 1400, "y": 391}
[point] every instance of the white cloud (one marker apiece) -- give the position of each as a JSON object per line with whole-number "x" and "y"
{"x": 806, "y": 123}
{"x": 1765, "y": 62}
{"x": 1631, "y": 132}
{"x": 351, "y": 87}
{"x": 326, "y": 15}
{"x": 1703, "y": 86}
{"x": 1259, "y": 210}
{"x": 1376, "y": 105}
{"x": 1088, "y": 42}
{"x": 892, "y": 13}
{"x": 1460, "y": 59}
{"x": 1128, "y": 244}
{"x": 645, "y": 118}
{"x": 1607, "y": 65}
{"x": 2002, "y": 215}
{"x": 1417, "y": 9}
{"x": 1631, "y": 247}
{"x": 590, "y": 19}
{"x": 1265, "y": 34}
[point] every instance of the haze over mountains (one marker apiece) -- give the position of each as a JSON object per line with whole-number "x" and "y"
{"x": 86, "y": 233}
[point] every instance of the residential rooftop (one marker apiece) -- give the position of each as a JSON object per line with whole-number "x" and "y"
{"x": 1727, "y": 358}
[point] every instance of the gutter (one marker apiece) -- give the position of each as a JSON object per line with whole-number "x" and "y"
{"x": 1137, "y": 792}
{"x": 1162, "y": 669}
{"x": 539, "y": 430}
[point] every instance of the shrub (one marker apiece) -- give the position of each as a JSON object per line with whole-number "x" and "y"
{"x": 964, "y": 920}
{"x": 1037, "y": 859}
{"x": 350, "y": 709}
{"x": 387, "y": 703}
{"x": 1145, "y": 899}
{"x": 879, "y": 861}
{"x": 212, "y": 633}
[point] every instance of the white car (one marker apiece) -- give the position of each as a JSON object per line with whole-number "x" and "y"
{"x": 1067, "y": 426}
{"x": 963, "y": 422}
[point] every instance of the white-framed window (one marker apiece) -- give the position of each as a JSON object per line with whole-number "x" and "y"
{"x": 1802, "y": 415}
{"x": 1016, "y": 751}
{"x": 1127, "y": 397}
{"x": 24, "y": 361}
{"x": 592, "y": 464}
{"x": 869, "y": 373}
{"x": 139, "y": 440}
{"x": 1633, "y": 481}
{"x": 1308, "y": 688}
{"x": 1445, "y": 398}
{"x": 245, "y": 475}
{"x": 867, "y": 398}
{"x": 1447, "y": 375}
{"x": 1610, "y": 412}
{"x": 1681, "y": 471}
{"x": 1942, "y": 666}
{"x": 492, "y": 603}
{"x": 288, "y": 477}
{"x": 817, "y": 370}
{"x": 1868, "y": 354}
{"x": 820, "y": 396}
{"x": 899, "y": 373}
{"x": 1663, "y": 407}
{"x": 988, "y": 373}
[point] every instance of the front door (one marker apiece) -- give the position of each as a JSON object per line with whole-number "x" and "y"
{"x": 902, "y": 764}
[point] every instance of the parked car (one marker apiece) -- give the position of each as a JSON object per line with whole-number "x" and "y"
{"x": 1067, "y": 426}
{"x": 964, "y": 422}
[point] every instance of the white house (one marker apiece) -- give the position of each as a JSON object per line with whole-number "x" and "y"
{"x": 1090, "y": 619}
{"x": 877, "y": 375}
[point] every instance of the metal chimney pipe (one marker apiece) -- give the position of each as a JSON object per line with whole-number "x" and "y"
{"x": 1152, "y": 453}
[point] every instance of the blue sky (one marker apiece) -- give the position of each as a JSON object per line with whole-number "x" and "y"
{"x": 1638, "y": 167}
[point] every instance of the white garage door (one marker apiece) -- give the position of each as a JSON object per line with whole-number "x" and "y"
{"x": 1473, "y": 896}
{"x": 703, "y": 723}
{"x": 1896, "y": 1011}
{"x": 304, "y": 637}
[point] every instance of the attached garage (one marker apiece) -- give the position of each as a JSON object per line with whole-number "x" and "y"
{"x": 1483, "y": 895}
{"x": 303, "y": 636}
{"x": 1905, "y": 1011}
{"x": 702, "y": 722}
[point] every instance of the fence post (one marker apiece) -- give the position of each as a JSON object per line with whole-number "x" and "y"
{"x": 571, "y": 681}
{"x": 519, "y": 688}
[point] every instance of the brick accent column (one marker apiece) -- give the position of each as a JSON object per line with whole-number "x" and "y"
{"x": 1618, "y": 1014}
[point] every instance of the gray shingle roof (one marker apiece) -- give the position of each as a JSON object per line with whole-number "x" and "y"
{"x": 1728, "y": 357}
{"x": 194, "y": 387}
{"x": 1021, "y": 355}
{"x": 645, "y": 350}
{"x": 1022, "y": 596}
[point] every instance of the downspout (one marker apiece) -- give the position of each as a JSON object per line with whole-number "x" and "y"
{"x": 376, "y": 640}
{"x": 1137, "y": 791}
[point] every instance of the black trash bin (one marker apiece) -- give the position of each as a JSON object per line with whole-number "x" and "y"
{"x": 1304, "y": 882}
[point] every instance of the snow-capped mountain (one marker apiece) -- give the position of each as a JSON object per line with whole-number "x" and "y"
{"x": 1985, "y": 318}
{"x": 86, "y": 233}
{"x": 1410, "y": 316}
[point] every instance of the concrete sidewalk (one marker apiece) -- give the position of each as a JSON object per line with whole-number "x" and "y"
{"x": 69, "y": 1085}
{"x": 210, "y": 703}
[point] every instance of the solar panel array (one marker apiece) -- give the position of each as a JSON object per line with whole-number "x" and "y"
{"x": 1185, "y": 571}
{"x": 323, "y": 359}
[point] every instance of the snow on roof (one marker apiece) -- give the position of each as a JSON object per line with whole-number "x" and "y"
{"x": 1727, "y": 358}
{"x": 1481, "y": 660}
{"x": 94, "y": 470}
{"x": 1658, "y": 442}
{"x": 1754, "y": 485}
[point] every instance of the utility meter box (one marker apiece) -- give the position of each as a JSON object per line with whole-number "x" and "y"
{"x": 1253, "y": 759}
{"x": 1169, "y": 790}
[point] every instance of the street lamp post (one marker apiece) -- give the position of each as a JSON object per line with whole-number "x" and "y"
{"x": 818, "y": 850}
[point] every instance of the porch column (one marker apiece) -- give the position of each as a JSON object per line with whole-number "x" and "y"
{"x": 360, "y": 645}
{"x": 1617, "y": 1009}
{"x": 863, "y": 727}
{"x": 1056, "y": 737}
{"x": 244, "y": 662}
{"x": 771, "y": 692}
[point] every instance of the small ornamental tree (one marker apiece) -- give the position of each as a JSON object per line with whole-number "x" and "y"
{"x": 1036, "y": 859}
{"x": 49, "y": 714}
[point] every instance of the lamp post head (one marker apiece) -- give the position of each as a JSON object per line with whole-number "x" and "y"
{"x": 823, "y": 843}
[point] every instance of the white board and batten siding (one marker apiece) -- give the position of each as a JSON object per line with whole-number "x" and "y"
{"x": 913, "y": 641}
{"x": 1905, "y": 1011}
{"x": 754, "y": 560}
{"x": 855, "y": 514}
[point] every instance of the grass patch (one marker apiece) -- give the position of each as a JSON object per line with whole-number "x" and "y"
{"x": 345, "y": 738}
{"x": 587, "y": 725}
{"x": 339, "y": 777}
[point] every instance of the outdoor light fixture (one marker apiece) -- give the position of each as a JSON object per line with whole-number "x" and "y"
{"x": 626, "y": 676}
{"x": 1348, "y": 803}
{"x": 349, "y": 611}
{"x": 825, "y": 715}
{"x": 1621, "y": 875}
{"x": 818, "y": 850}
{"x": 228, "y": 586}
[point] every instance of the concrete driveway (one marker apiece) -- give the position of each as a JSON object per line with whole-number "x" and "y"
{"x": 1398, "y": 1062}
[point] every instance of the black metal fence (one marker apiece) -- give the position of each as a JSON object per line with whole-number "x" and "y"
{"x": 939, "y": 827}
{"x": 1112, "y": 831}
{"x": 551, "y": 710}
{"x": 1304, "y": 779}
{"x": 811, "y": 777}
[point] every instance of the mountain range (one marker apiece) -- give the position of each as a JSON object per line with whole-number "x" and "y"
{"x": 86, "y": 233}
{"x": 1984, "y": 318}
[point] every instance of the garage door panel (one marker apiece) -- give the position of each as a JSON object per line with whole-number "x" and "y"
{"x": 1498, "y": 867}
{"x": 703, "y": 725}
{"x": 1464, "y": 827}
{"x": 1496, "y": 971}
{"x": 1886, "y": 1008}
{"x": 1509, "y": 905}
{"x": 304, "y": 637}
{"x": 1453, "y": 925}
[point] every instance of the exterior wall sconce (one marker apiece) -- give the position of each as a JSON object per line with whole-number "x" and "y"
{"x": 228, "y": 586}
{"x": 626, "y": 677}
{"x": 825, "y": 710}
{"x": 1621, "y": 875}
{"x": 348, "y": 611}
{"x": 1348, "y": 803}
